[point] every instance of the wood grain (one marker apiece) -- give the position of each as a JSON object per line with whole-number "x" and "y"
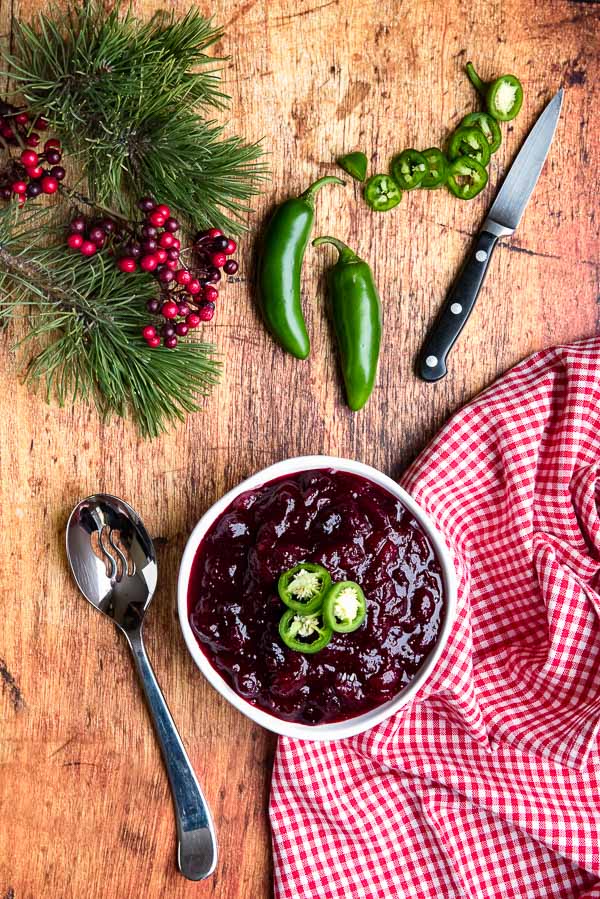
{"x": 84, "y": 804}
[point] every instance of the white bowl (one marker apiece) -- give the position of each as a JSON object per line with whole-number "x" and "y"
{"x": 351, "y": 726}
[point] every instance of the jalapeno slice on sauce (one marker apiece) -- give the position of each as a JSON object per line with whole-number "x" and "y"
{"x": 469, "y": 142}
{"x": 304, "y": 633}
{"x": 466, "y": 177}
{"x": 487, "y": 125}
{"x": 408, "y": 169}
{"x": 304, "y": 586}
{"x": 382, "y": 193}
{"x": 437, "y": 169}
{"x": 344, "y": 607}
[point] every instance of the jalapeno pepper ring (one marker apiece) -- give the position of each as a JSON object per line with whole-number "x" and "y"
{"x": 408, "y": 169}
{"x": 382, "y": 193}
{"x": 469, "y": 142}
{"x": 304, "y": 633}
{"x": 344, "y": 607}
{"x": 303, "y": 587}
{"x": 466, "y": 177}
{"x": 437, "y": 169}
{"x": 488, "y": 126}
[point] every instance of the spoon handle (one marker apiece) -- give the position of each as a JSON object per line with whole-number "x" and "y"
{"x": 197, "y": 845}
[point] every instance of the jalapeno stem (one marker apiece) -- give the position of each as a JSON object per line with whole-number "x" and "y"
{"x": 475, "y": 79}
{"x": 309, "y": 193}
{"x": 346, "y": 254}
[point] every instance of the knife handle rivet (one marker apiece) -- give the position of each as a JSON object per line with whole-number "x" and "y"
{"x": 456, "y": 308}
{"x": 431, "y": 361}
{"x": 481, "y": 255}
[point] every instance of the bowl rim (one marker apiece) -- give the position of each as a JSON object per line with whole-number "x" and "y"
{"x": 336, "y": 730}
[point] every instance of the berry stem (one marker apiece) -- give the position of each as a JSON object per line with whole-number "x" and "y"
{"x": 81, "y": 198}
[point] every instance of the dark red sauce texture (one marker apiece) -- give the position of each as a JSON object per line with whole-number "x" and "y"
{"x": 359, "y": 532}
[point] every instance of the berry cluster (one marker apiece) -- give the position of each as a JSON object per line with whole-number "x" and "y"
{"x": 190, "y": 291}
{"x": 90, "y": 236}
{"x": 187, "y": 292}
{"x": 34, "y": 172}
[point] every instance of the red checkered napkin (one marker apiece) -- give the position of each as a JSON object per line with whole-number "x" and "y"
{"x": 487, "y": 786}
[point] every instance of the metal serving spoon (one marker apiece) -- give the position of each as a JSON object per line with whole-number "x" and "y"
{"x": 113, "y": 561}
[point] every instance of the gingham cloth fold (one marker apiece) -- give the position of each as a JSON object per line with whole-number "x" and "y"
{"x": 487, "y": 786}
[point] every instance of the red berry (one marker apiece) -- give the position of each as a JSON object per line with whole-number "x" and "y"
{"x": 74, "y": 241}
{"x": 181, "y": 329}
{"x": 53, "y": 157}
{"x": 230, "y": 248}
{"x": 230, "y": 267}
{"x": 161, "y": 255}
{"x": 52, "y": 143}
{"x": 193, "y": 320}
{"x": 156, "y": 219}
{"x": 33, "y": 140}
{"x": 6, "y": 131}
{"x": 218, "y": 260}
{"x": 163, "y": 210}
{"x": 176, "y": 243}
{"x": 78, "y": 224}
{"x": 183, "y": 309}
{"x": 166, "y": 240}
{"x": 206, "y": 312}
{"x": 148, "y": 332}
{"x": 194, "y": 286}
{"x": 88, "y": 248}
{"x": 183, "y": 276}
{"x": 29, "y": 158}
{"x": 153, "y": 341}
{"x": 127, "y": 264}
{"x": 214, "y": 232}
{"x": 170, "y": 342}
{"x": 22, "y": 118}
{"x": 49, "y": 184}
{"x": 18, "y": 187}
{"x": 148, "y": 263}
{"x": 22, "y": 200}
{"x": 172, "y": 264}
{"x": 172, "y": 225}
{"x": 41, "y": 124}
{"x": 211, "y": 294}
{"x": 35, "y": 172}
{"x": 58, "y": 172}
{"x": 169, "y": 309}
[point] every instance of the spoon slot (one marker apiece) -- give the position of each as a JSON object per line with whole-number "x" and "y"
{"x": 108, "y": 546}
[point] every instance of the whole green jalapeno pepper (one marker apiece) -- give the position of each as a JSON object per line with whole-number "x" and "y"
{"x": 280, "y": 268}
{"x": 356, "y": 312}
{"x": 503, "y": 96}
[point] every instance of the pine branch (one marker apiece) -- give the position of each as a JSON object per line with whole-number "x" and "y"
{"x": 122, "y": 94}
{"x": 85, "y": 321}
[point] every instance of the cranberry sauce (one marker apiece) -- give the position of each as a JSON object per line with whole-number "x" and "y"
{"x": 359, "y": 532}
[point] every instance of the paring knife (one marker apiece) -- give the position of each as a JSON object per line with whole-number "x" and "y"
{"x": 501, "y": 221}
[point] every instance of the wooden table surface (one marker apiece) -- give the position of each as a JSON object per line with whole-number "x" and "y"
{"x": 84, "y": 804}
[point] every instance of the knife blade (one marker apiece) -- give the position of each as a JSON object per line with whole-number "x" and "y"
{"x": 502, "y": 219}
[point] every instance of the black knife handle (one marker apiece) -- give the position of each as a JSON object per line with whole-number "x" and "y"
{"x": 431, "y": 365}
